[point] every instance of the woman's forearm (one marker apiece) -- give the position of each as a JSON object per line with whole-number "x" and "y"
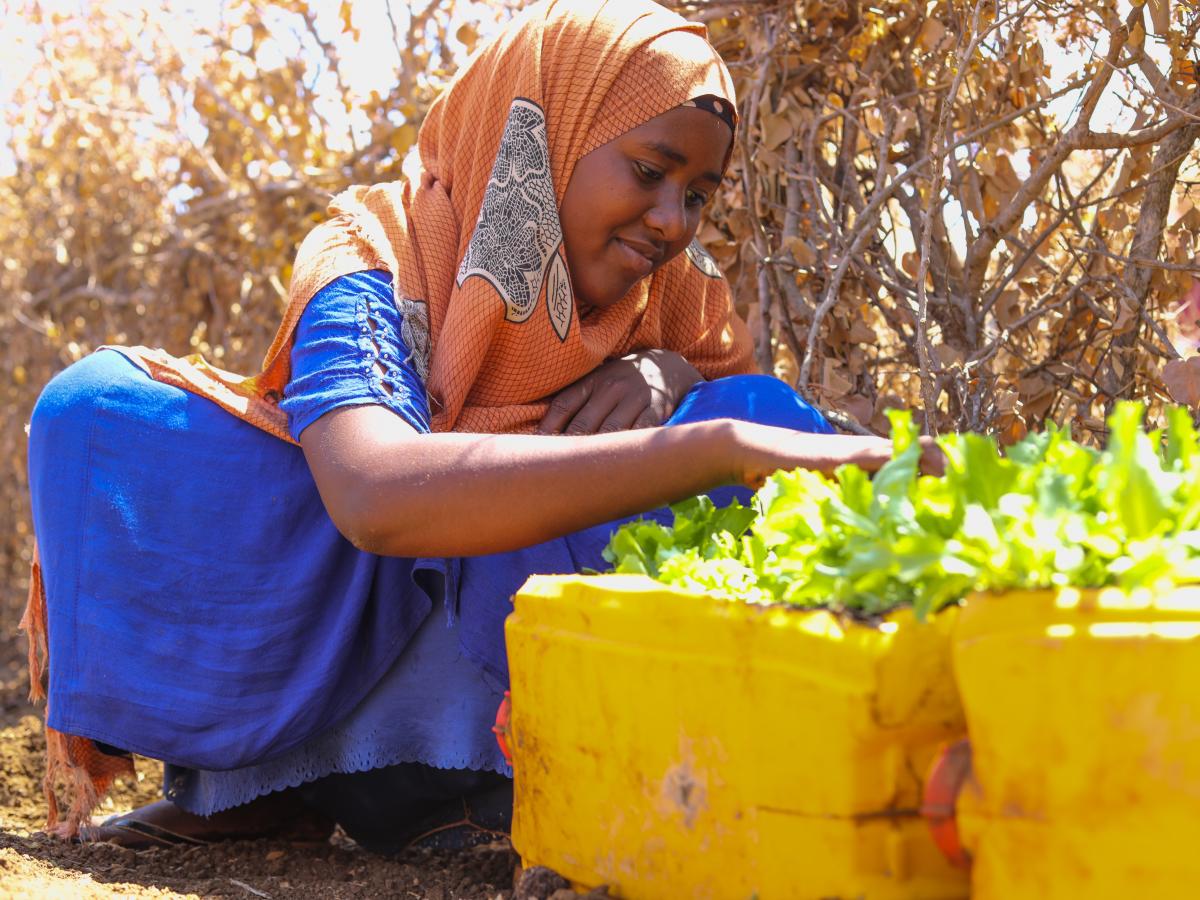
{"x": 395, "y": 492}
{"x": 466, "y": 494}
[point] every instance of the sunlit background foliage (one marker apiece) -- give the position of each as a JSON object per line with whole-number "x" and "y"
{"x": 988, "y": 212}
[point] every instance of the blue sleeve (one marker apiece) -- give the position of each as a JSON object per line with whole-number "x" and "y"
{"x": 349, "y": 351}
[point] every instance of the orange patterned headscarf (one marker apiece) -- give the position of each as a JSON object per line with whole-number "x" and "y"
{"x": 475, "y": 245}
{"x": 473, "y": 241}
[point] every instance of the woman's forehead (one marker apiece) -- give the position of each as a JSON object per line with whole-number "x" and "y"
{"x": 688, "y": 137}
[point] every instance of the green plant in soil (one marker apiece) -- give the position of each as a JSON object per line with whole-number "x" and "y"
{"x": 1047, "y": 512}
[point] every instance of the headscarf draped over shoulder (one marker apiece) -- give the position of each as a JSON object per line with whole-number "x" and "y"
{"x": 473, "y": 240}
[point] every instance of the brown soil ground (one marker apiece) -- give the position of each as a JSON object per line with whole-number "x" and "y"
{"x": 34, "y": 865}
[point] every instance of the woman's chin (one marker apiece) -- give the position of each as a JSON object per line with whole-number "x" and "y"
{"x": 600, "y": 300}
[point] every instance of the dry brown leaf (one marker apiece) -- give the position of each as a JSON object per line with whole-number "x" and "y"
{"x": 932, "y": 33}
{"x": 860, "y": 408}
{"x": 801, "y": 251}
{"x": 1006, "y": 401}
{"x": 834, "y": 381}
{"x": 776, "y": 129}
{"x": 1114, "y": 217}
{"x": 1126, "y": 316}
{"x": 1182, "y": 380}
{"x": 948, "y": 356}
{"x": 786, "y": 367}
{"x": 1008, "y": 308}
{"x": 862, "y": 333}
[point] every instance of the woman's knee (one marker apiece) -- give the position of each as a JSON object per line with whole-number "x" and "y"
{"x": 79, "y": 387}
{"x": 104, "y": 382}
{"x": 752, "y": 398}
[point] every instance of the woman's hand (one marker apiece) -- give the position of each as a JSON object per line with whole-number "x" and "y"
{"x": 760, "y": 450}
{"x": 636, "y": 391}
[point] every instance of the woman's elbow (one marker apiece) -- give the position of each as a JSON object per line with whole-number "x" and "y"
{"x": 365, "y": 538}
{"x": 379, "y": 519}
{"x": 347, "y": 451}
{"x": 355, "y": 514}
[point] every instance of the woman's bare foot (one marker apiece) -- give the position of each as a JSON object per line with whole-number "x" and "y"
{"x": 281, "y": 815}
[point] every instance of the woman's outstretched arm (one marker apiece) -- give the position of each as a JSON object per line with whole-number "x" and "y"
{"x": 393, "y": 491}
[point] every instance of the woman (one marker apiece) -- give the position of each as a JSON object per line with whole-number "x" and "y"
{"x": 329, "y": 619}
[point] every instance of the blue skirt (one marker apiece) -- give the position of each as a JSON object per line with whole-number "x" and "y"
{"x": 203, "y": 609}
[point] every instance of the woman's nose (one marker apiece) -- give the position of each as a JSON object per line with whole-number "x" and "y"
{"x": 668, "y": 216}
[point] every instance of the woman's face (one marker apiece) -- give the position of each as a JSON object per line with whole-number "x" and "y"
{"x": 635, "y": 203}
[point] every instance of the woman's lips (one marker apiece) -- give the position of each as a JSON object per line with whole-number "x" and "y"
{"x": 635, "y": 261}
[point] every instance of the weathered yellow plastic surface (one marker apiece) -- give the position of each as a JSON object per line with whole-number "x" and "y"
{"x": 1084, "y": 714}
{"x": 670, "y": 745}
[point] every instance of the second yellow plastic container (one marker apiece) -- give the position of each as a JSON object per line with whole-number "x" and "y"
{"x": 1084, "y": 715}
{"x": 673, "y": 745}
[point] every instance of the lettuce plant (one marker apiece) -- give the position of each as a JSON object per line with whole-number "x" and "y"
{"x": 1048, "y": 512}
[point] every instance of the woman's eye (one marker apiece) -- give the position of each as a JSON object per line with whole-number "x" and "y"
{"x": 646, "y": 172}
{"x": 695, "y": 198}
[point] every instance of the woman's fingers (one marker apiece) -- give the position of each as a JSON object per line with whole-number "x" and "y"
{"x": 875, "y": 452}
{"x": 609, "y": 399}
{"x": 626, "y": 413}
{"x": 649, "y": 418}
{"x": 870, "y": 453}
{"x": 636, "y": 391}
{"x": 602, "y": 402}
{"x": 564, "y": 405}
{"x": 762, "y": 450}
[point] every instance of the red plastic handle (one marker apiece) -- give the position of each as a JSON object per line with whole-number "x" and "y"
{"x": 949, "y": 772}
{"x": 500, "y": 729}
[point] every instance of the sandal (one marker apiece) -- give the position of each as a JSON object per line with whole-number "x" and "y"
{"x": 162, "y": 823}
{"x": 137, "y": 834}
{"x": 481, "y": 818}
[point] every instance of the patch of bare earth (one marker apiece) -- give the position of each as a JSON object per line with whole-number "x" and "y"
{"x": 34, "y": 865}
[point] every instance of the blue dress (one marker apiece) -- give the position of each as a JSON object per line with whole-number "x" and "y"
{"x": 203, "y": 609}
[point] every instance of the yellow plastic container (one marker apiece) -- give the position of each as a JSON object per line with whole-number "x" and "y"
{"x": 1084, "y": 715}
{"x": 672, "y": 745}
